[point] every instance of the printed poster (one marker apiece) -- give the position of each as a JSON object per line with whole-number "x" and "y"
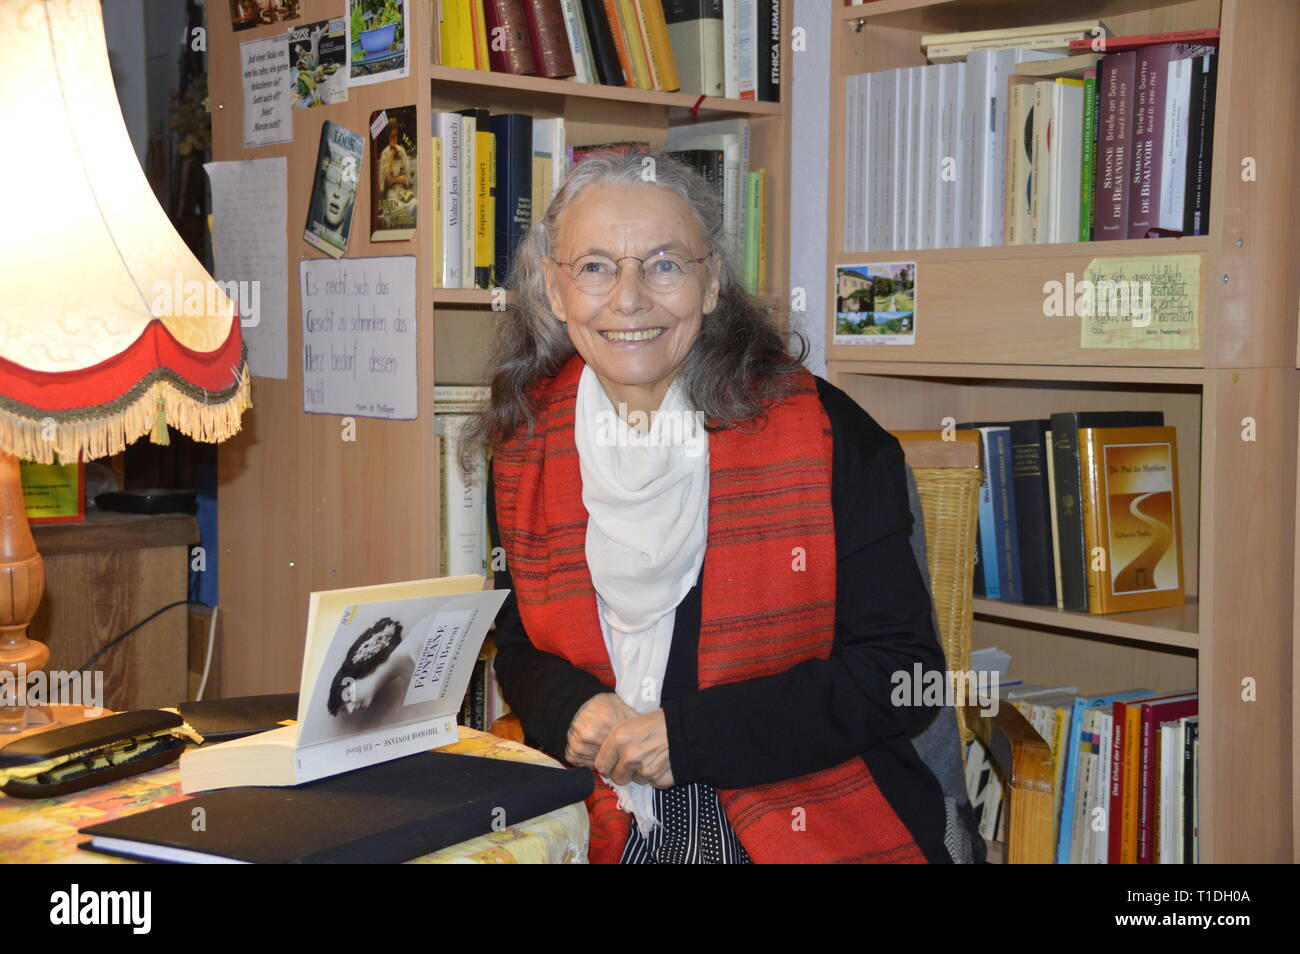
{"x": 318, "y": 63}
{"x": 393, "y": 174}
{"x": 377, "y": 41}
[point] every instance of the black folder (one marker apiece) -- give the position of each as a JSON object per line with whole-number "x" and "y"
{"x": 386, "y": 813}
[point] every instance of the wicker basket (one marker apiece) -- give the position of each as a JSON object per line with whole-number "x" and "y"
{"x": 950, "y": 502}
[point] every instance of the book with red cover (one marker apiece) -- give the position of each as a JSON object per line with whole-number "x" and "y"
{"x": 545, "y": 22}
{"x": 1114, "y": 146}
{"x": 516, "y": 55}
{"x": 1119, "y": 764}
{"x": 1118, "y": 44}
{"x": 1153, "y": 715}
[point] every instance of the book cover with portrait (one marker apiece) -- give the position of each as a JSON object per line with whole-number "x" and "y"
{"x": 384, "y": 672}
{"x": 393, "y": 174}
{"x": 334, "y": 189}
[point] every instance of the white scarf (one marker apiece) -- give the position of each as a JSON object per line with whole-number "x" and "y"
{"x": 647, "y": 504}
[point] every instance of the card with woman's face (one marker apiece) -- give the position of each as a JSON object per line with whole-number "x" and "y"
{"x": 391, "y": 663}
{"x": 334, "y": 189}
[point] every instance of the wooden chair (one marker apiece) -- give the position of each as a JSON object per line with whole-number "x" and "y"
{"x": 948, "y": 474}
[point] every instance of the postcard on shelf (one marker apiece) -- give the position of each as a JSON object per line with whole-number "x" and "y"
{"x": 246, "y": 14}
{"x": 393, "y": 174}
{"x": 377, "y": 41}
{"x": 265, "y": 67}
{"x": 318, "y": 63}
{"x": 875, "y": 304}
{"x": 384, "y": 673}
{"x": 1148, "y": 301}
{"x": 334, "y": 191}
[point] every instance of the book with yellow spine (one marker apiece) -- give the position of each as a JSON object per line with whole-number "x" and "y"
{"x": 1131, "y": 521}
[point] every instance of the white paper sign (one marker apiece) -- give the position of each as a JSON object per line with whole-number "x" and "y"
{"x": 359, "y": 344}
{"x": 249, "y": 248}
{"x": 265, "y": 65}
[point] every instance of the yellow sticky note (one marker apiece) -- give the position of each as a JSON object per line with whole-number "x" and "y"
{"x": 1147, "y": 302}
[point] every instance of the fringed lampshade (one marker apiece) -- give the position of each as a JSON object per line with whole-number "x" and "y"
{"x": 110, "y": 328}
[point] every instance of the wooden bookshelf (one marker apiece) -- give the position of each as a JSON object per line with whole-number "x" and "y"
{"x": 985, "y": 350}
{"x": 301, "y": 509}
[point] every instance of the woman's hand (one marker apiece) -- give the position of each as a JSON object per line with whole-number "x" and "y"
{"x": 592, "y": 724}
{"x": 636, "y": 750}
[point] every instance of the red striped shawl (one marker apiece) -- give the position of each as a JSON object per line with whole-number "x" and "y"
{"x": 769, "y": 493}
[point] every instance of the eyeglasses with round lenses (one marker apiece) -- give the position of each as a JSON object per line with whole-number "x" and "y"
{"x": 662, "y": 273}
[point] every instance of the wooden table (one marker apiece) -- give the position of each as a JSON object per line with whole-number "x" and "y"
{"x": 44, "y": 831}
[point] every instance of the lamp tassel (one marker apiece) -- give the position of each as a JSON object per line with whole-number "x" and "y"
{"x": 159, "y": 433}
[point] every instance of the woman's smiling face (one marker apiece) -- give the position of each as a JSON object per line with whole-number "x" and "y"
{"x": 639, "y": 220}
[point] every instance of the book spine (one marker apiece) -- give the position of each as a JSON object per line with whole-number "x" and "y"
{"x": 435, "y": 194}
{"x": 579, "y": 44}
{"x": 636, "y": 50}
{"x": 746, "y": 45}
{"x": 975, "y": 144}
{"x": 546, "y": 30}
{"x": 1148, "y": 138}
{"x": 468, "y": 197}
{"x": 477, "y": 19}
{"x": 750, "y": 276}
{"x": 1004, "y": 515}
{"x": 608, "y": 70}
{"x": 1040, "y": 184}
{"x": 1173, "y": 155}
{"x": 769, "y": 51}
{"x": 1132, "y": 770}
{"x": 1092, "y": 506}
{"x": 483, "y": 221}
{"x": 452, "y": 223}
{"x": 513, "y": 53}
{"x": 1114, "y": 146}
{"x": 1074, "y": 576}
{"x": 1088, "y": 177}
{"x": 643, "y": 34}
{"x": 514, "y": 185}
{"x": 1033, "y": 513}
{"x": 620, "y": 37}
{"x": 1115, "y": 826}
{"x": 660, "y": 47}
{"x": 1196, "y": 204}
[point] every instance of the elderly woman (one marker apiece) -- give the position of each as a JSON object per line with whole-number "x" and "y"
{"x": 709, "y": 619}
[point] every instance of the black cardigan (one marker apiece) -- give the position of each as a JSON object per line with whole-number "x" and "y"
{"x": 814, "y": 715}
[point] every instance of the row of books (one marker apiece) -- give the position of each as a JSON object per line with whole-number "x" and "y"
{"x": 495, "y": 176}
{"x": 725, "y": 48}
{"x": 1080, "y": 511}
{"x": 483, "y": 704}
{"x": 463, "y": 544}
{"x": 1017, "y": 145}
{"x": 1126, "y": 773}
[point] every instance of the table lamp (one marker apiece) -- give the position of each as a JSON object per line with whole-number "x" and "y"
{"x": 110, "y": 328}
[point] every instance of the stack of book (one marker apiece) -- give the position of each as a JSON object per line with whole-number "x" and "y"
{"x": 495, "y": 177}
{"x": 725, "y": 48}
{"x": 1080, "y": 511}
{"x": 1032, "y": 135}
{"x": 1127, "y": 772}
{"x": 483, "y": 704}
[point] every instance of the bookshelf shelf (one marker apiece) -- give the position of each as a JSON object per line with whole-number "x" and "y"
{"x": 679, "y": 104}
{"x": 986, "y": 349}
{"x": 467, "y": 296}
{"x": 1174, "y": 626}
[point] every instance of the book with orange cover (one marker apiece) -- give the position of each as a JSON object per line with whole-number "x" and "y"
{"x": 1132, "y": 531}
{"x": 620, "y": 41}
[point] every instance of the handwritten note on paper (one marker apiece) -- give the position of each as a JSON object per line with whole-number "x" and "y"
{"x": 250, "y": 249}
{"x": 265, "y": 65}
{"x": 358, "y": 336}
{"x": 1141, "y": 302}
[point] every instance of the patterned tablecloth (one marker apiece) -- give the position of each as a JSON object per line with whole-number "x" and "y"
{"x": 44, "y": 830}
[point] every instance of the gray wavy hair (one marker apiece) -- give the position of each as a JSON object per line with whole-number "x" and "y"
{"x": 738, "y": 366}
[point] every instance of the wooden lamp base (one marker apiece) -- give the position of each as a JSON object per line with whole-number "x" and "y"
{"x": 22, "y": 584}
